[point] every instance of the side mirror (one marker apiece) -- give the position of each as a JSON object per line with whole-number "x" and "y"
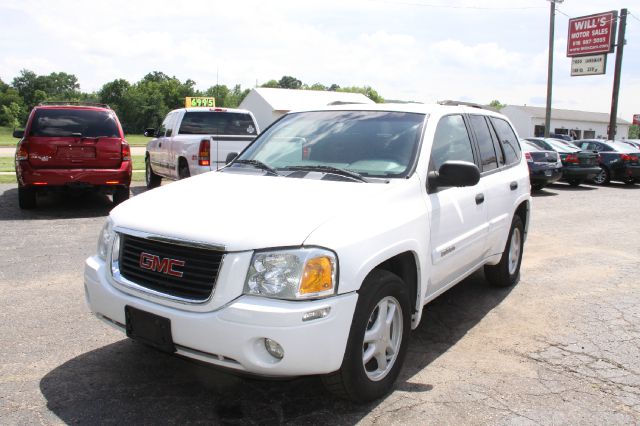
{"x": 230, "y": 157}
{"x": 18, "y": 134}
{"x": 454, "y": 173}
{"x": 150, "y": 132}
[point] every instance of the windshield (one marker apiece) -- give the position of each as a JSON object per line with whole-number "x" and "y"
{"x": 217, "y": 123}
{"x": 72, "y": 122}
{"x": 369, "y": 143}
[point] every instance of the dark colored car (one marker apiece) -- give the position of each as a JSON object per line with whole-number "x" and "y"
{"x": 560, "y": 136}
{"x": 72, "y": 145}
{"x": 618, "y": 160}
{"x": 577, "y": 165}
{"x": 545, "y": 167}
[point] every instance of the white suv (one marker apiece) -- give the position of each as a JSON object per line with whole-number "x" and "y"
{"x": 316, "y": 249}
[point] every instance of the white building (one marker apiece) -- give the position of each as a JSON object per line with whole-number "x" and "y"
{"x": 268, "y": 104}
{"x": 529, "y": 121}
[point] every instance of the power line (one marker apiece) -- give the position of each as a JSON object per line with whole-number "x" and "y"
{"x": 448, "y": 6}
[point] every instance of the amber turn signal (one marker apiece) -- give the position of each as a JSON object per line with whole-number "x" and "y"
{"x": 317, "y": 276}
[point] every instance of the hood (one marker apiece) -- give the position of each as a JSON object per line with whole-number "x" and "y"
{"x": 245, "y": 212}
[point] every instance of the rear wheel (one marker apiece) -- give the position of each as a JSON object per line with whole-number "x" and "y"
{"x": 120, "y": 195}
{"x": 26, "y": 197}
{"x": 537, "y": 186}
{"x": 152, "y": 179}
{"x": 602, "y": 178}
{"x": 507, "y": 272}
{"x": 377, "y": 342}
{"x": 183, "y": 169}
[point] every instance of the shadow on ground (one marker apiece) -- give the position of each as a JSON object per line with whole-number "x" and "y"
{"x": 59, "y": 205}
{"x": 126, "y": 382}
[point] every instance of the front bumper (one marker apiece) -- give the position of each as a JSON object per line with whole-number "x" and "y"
{"x": 233, "y": 335}
{"x": 28, "y": 175}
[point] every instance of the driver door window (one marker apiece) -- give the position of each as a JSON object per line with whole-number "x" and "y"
{"x": 451, "y": 142}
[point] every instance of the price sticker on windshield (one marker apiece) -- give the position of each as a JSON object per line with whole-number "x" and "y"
{"x": 199, "y": 102}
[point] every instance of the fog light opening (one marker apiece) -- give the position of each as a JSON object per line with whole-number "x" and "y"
{"x": 274, "y": 348}
{"x": 317, "y": 314}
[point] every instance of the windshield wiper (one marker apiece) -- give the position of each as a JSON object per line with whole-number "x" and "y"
{"x": 330, "y": 169}
{"x": 259, "y": 165}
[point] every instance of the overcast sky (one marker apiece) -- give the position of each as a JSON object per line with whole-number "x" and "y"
{"x": 422, "y": 50}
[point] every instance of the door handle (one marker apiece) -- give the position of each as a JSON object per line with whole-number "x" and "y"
{"x": 480, "y": 198}
{"x": 513, "y": 185}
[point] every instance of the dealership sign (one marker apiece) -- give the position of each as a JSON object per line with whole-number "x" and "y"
{"x": 589, "y": 65}
{"x": 592, "y": 34}
{"x": 636, "y": 119}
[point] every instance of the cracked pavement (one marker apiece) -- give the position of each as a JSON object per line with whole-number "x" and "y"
{"x": 561, "y": 347}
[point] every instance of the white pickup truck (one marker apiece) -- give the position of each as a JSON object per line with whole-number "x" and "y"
{"x": 338, "y": 225}
{"x": 192, "y": 141}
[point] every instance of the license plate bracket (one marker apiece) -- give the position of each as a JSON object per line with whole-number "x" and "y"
{"x": 150, "y": 329}
{"x": 548, "y": 172}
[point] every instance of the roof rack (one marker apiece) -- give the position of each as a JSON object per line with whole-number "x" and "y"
{"x": 469, "y": 104}
{"x": 79, "y": 103}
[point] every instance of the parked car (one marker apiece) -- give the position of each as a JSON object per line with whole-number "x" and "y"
{"x": 196, "y": 140}
{"x": 561, "y": 137}
{"x": 315, "y": 250}
{"x": 72, "y": 145}
{"x": 577, "y": 165}
{"x": 633, "y": 142}
{"x": 618, "y": 161}
{"x": 545, "y": 166}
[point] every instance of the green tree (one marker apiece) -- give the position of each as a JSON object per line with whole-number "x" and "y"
{"x": 334, "y": 88}
{"x": 634, "y": 132}
{"x": 368, "y": 91}
{"x": 288, "y": 82}
{"x": 496, "y": 104}
{"x": 271, "y": 84}
{"x": 220, "y": 92}
{"x": 13, "y": 112}
{"x": 317, "y": 86}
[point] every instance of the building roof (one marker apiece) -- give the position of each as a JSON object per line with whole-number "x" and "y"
{"x": 568, "y": 114}
{"x": 291, "y": 99}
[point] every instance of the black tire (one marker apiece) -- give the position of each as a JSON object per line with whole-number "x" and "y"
{"x": 506, "y": 273}
{"x": 603, "y": 178}
{"x": 120, "y": 194}
{"x": 630, "y": 181}
{"x": 575, "y": 182}
{"x": 355, "y": 380}
{"x": 26, "y": 197}
{"x": 152, "y": 179}
{"x": 183, "y": 169}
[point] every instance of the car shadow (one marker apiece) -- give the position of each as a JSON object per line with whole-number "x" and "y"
{"x": 544, "y": 192}
{"x": 58, "y": 205}
{"x": 567, "y": 187}
{"x": 126, "y": 382}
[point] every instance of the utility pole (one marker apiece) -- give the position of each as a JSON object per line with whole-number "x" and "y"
{"x": 613, "y": 118}
{"x": 552, "y": 21}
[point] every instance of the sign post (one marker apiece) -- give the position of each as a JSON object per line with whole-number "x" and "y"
{"x": 613, "y": 118}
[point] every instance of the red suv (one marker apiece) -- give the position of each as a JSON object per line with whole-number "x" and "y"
{"x": 72, "y": 145}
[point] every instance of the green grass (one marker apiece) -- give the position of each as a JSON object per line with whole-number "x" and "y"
{"x": 6, "y": 164}
{"x": 9, "y": 178}
{"x": 7, "y": 139}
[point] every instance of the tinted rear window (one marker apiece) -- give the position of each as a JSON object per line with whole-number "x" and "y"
{"x": 71, "y": 122}
{"x": 216, "y": 123}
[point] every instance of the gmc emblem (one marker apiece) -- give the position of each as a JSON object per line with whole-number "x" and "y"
{"x": 164, "y": 266}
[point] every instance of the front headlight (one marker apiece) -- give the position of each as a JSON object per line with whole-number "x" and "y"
{"x": 292, "y": 274}
{"x": 105, "y": 239}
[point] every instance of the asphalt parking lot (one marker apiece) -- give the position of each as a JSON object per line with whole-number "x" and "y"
{"x": 561, "y": 347}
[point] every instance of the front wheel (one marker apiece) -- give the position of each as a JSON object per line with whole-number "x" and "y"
{"x": 507, "y": 272}
{"x": 377, "y": 342}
